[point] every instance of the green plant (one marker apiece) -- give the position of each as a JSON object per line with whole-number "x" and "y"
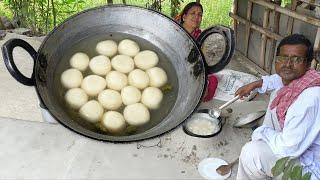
{"x": 41, "y": 16}
{"x": 175, "y": 6}
{"x": 289, "y": 170}
{"x": 4, "y": 10}
{"x": 285, "y": 2}
{"x": 154, "y": 4}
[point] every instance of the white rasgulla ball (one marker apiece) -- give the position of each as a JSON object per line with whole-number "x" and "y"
{"x": 80, "y": 61}
{"x": 76, "y": 97}
{"x": 110, "y": 99}
{"x": 108, "y": 48}
{"x": 146, "y": 59}
{"x": 92, "y": 111}
{"x": 122, "y": 63}
{"x": 130, "y": 95}
{"x": 152, "y": 97}
{"x": 100, "y": 65}
{"x": 113, "y": 121}
{"x": 116, "y": 80}
{"x": 136, "y": 114}
{"x": 158, "y": 77}
{"x": 71, "y": 78}
{"x": 93, "y": 84}
{"x": 128, "y": 47}
{"x": 138, "y": 78}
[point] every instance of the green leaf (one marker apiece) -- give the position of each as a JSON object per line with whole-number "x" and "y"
{"x": 286, "y": 175}
{"x": 166, "y": 88}
{"x": 69, "y": 1}
{"x": 296, "y": 173}
{"x": 288, "y": 169}
{"x": 307, "y": 176}
{"x": 279, "y": 167}
{"x": 131, "y": 129}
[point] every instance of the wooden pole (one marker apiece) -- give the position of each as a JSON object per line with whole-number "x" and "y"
{"x": 290, "y": 20}
{"x": 235, "y": 11}
{"x": 288, "y": 12}
{"x": 317, "y": 41}
{"x": 1, "y": 25}
{"x": 54, "y": 14}
{"x": 47, "y": 15}
{"x": 248, "y": 26}
{"x": 316, "y": 48}
{"x": 264, "y": 37}
{"x": 275, "y": 29}
{"x": 267, "y": 32}
{"x": 311, "y": 2}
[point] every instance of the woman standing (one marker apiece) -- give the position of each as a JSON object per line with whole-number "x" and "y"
{"x": 190, "y": 18}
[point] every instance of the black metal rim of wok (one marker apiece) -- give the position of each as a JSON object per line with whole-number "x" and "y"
{"x": 206, "y": 111}
{"x": 32, "y": 81}
{"x": 120, "y": 5}
{"x": 228, "y": 35}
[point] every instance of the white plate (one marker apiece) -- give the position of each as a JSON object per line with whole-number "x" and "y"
{"x": 207, "y": 168}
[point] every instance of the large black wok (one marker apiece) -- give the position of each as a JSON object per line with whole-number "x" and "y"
{"x": 179, "y": 56}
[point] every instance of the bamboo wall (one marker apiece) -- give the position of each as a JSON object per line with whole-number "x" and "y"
{"x": 261, "y": 24}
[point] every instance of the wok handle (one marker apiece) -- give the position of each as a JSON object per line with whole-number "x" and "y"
{"x": 7, "y": 50}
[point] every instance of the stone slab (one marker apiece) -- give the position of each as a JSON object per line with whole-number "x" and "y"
{"x": 33, "y": 150}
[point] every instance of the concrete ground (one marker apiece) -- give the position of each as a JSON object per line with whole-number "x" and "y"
{"x": 33, "y": 149}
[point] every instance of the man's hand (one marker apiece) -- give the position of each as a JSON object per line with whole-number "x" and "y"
{"x": 246, "y": 89}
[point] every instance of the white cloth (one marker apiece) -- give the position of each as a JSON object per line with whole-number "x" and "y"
{"x": 230, "y": 81}
{"x": 256, "y": 161}
{"x": 300, "y": 137}
{"x": 272, "y": 82}
{"x": 46, "y": 116}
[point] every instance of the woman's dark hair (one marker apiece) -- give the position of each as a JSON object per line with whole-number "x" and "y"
{"x": 296, "y": 39}
{"x": 187, "y": 8}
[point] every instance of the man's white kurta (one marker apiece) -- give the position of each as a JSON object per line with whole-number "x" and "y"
{"x": 300, "y": 137}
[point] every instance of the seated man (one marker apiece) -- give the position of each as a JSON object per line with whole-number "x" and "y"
{"x": 292, "y": 123}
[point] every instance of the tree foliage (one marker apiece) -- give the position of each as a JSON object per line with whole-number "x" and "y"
{"x": 41, "y": 16}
